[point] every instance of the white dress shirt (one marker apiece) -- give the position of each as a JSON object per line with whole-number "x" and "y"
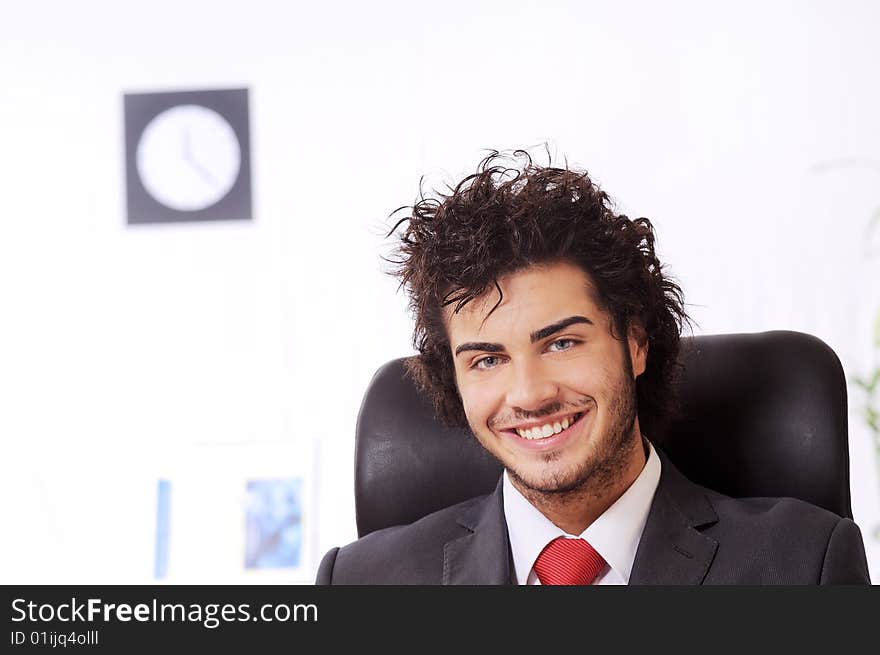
{"x": 615, "y": 534}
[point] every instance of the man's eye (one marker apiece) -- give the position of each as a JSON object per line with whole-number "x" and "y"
{"x": 562, "y": 344}
{"x": 486, "y": 362}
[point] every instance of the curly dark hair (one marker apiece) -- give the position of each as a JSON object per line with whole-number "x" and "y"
{"x": 512, "y": 214}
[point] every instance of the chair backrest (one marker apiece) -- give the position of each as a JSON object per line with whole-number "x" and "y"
{"x": 761, "y": 415}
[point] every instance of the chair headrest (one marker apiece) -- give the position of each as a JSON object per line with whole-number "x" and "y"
{"x": 762, "y": 415}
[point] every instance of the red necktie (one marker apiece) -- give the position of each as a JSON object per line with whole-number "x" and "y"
{"x": 568, "y": 562}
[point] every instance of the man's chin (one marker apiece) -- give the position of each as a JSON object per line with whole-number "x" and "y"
{"x": 549, "y": 482}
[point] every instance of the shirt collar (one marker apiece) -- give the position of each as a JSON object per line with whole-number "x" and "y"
{"x": 615, "y": 534}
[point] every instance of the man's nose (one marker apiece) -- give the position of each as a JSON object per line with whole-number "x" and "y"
{"x": 531, "y": 387}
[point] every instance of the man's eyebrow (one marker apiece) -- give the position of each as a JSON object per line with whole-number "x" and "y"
{"x": 553, "y": 328}
{"x": 536, "y": 336}
{"x": 478, "y": 345}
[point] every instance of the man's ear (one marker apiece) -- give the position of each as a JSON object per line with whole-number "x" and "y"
{"x": 637, "y": 342}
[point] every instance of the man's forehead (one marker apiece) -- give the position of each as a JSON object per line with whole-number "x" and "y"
{"x": 529, "y": 300}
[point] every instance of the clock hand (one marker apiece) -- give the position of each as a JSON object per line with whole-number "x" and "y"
{"x": 203, "y": 172}
{"x": 185, "y": 142}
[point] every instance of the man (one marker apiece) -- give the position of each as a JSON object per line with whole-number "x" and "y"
{"x": 545, "y": 324}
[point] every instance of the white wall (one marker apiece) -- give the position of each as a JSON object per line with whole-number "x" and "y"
{"x": 124, "y": 352}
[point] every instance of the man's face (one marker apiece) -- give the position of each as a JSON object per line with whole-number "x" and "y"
{"x": 546, "y": 388}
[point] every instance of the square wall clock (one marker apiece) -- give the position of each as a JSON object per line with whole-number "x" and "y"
{"x": 187, "y": 156}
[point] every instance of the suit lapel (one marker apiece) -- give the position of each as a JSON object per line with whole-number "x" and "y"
{"x": 672, "y": 551}
{"x": 481, "y": 557}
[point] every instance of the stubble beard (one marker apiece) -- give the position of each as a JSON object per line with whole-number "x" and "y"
{"x": 606, "y": 463}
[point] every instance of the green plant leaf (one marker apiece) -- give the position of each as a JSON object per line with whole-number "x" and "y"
{"x": 873, "y": 418}
{"x": 868, "y": 386}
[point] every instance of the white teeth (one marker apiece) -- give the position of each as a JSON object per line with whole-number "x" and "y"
{"x": 544, "y": 431}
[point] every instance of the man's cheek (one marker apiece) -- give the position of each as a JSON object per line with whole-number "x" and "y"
{"x": 586, "y": 378}
{"x": 476, "y": 400}
{"x": 471, "y": 408}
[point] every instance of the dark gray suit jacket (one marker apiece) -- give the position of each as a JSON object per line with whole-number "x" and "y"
{"x": 693, "y": 535}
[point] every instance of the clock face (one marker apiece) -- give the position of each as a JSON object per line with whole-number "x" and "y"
{"x": 188, "y": 157}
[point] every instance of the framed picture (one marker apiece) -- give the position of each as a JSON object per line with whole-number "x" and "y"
{"x": 237, "y": 514}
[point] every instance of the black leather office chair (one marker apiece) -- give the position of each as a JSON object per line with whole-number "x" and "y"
{"x": 762, "y": 415}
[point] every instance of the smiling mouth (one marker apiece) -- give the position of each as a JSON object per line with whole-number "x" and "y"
{"x": 548, "y": 429}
